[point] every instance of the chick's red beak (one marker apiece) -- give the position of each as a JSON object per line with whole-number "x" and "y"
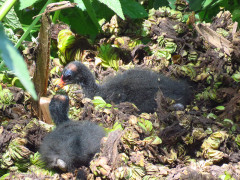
{"x": 60, "y": 84}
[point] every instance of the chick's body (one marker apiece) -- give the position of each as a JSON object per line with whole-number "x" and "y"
{"x": 73, "y": 143}
{"x": 138, "y": 86}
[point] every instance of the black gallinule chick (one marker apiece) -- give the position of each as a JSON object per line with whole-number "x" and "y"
{"x": 73, "y": 143}
{"x": 138, "y": 86}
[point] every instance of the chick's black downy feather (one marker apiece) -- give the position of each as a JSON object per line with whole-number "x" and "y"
{"x": 73, "y": 143}
{"x": 59, "y": 107}
{"x": 138, "y": 86}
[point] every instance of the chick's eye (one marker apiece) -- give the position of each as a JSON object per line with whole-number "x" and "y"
{"x": 67, "y": 75}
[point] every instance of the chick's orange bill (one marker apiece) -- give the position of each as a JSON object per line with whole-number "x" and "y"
{"x": 60, "y": 84}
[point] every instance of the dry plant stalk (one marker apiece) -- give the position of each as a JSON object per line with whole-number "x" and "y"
{"x": 214, "y": 38}
{"x": 40, "y": 78}
{"x": 44, "y": 105}
{"x": 41, "y": 74}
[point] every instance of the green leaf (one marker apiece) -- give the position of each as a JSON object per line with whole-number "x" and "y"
{"x": 115, "y": 5}
{"x": 116, "y": 126}
{"x": 206, "y": 3}
{"x": 99, "y": 102}
{"x": 228, "y": 121}
{"x": 196, "y": 5}
{"x": 237, "y": 139}
{"x": 36, "y": 160}
{"x": 221, "y": 108}
{"x": 11, "y": 19}
{"x": 236, "y": 77}
{"x": 91, "y": 12}
{"x": 102, "y": 11}
{"x": 236, "y": 15}
{"x": 133, "y": 9}
{"x": 5, "y": 7}
{"x": 211, "y": 115}
{"x": 84, "y": 24}
{"x": 2, "y": 65}
{"x": 6, "y": 176}
{"x": 157, "y": 4}
{"x": 15, "y": 62}
{"x": 153, "y": 140}
{"x": 228, "y": 176}
{"x": 142, "y": 126}
{"x": 172, "y": 3}
{"x": 146, "y": 125}
{"x": 33, "y": 23}
{"x": 80, "y": 4}
{"x": 24, "y": 4}
{"x": 157, "y": 140}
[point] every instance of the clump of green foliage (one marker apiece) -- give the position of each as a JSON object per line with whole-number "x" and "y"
{"x": 99, "y": 103}
{"x": 6, "y": 98}
{"x": 109, "y": 58}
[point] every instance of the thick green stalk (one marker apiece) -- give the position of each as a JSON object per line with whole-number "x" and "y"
{"x": 56, "y": 16}
{"x": 32, "y": 25}
{"x": 6, "y": 7}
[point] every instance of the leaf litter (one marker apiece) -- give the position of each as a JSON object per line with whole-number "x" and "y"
{"x": 195, "y": 143}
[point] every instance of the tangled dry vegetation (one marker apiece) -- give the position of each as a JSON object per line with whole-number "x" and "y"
{"x": 201, "y": 142}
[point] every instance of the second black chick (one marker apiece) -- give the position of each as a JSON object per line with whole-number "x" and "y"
{"x": 73, "y": 143}
{"x": 138, "y": 86}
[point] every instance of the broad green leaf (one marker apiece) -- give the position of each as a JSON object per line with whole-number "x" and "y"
{"x": 133, "y": 9}
{"x": 157, "y": 4}
{"x": 206, "y": 3}
{"x": 80, "y": 4}
{"x": 236, "y": 14}
{"x": 79, "y": 20}
{"x": 172, "y": 3}
{"x": 91, "y": 12}
{"x": 11, "y": 19}
{"x": 196, "y": 5}
{"x": 24, "y": 4}
{"x": 215, "y": 3}
{"x": 102, "y": 11}
{"x": 15, "y": 62}
{"x": 115, "y": 5}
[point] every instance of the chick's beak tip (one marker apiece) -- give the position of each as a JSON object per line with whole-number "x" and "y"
{"x": 60, "y": 84}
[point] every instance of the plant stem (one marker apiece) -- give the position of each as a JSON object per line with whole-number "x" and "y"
{"x": 56, "y": 15}
{"x": 32, "y": 25}
{"x": 6, "y": 7}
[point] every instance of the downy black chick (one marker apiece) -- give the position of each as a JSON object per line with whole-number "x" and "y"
{"x": 73, "y": 143}
{"x": 138, "y": 86}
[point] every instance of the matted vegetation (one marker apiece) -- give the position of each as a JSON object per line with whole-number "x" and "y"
{"x": 193, "y": 40}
